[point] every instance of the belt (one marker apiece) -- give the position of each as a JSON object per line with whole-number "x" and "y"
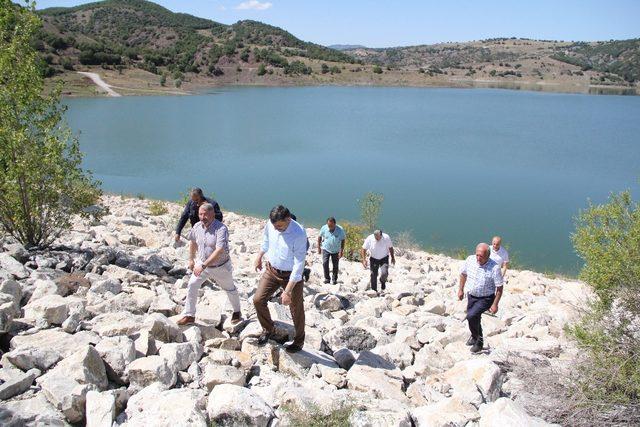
{"x": 219, "y": 265}
{"x": 281, "y": 272}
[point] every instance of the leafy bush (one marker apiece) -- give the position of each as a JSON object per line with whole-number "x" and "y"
{"x": 355, "y": 234}
{"x": 262, "y": 70}
{"x": 370, "y": 206}
{"x": 297, "y": 67}
{"x": 607, "y": 238}
{"x": 42, "y": 184}
{"x": 156, "y": 207}
{"x": 377, "y": 69}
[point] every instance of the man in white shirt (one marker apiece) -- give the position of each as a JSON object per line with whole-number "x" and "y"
{"x": 482, "y": 276}
{"x": 379, "y": 247}
{"x": 499, "y": 254}
{"x": 285, "y": 243}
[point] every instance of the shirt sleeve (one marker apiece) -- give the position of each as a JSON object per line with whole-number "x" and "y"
{"x": 506, "y": 256}
{"x": 299, "y": 254}
{"x": 497, "y": 276}
{"x": 366, "y": 244}
{"x": 463, "y": 270}
{"x": 191, "y": 235}
{"x": 183, "y": 218}
{"x": 265, "y": 239}
{"x": 343, "y": 235}
{"x": 222, "y": 237}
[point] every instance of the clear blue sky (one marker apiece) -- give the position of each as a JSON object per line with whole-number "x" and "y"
{"x": 410, "y": 22}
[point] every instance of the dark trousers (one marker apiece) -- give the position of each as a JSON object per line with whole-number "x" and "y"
{"x": 383, "y": 266}
{"x": 475, "y": 307}
{"x": 270, "y": 282}
{"x": 325, "y": 264}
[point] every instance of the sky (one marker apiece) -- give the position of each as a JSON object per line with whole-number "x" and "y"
{"x": 412, "y": 22}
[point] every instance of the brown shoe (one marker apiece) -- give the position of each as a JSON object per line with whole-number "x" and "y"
{"x": 186, "y": 320}
{"x": 236, "y": 318}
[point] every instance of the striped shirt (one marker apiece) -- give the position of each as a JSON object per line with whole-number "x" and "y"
{"x": 482, "y": 280}
{"x": 208, "y": 240}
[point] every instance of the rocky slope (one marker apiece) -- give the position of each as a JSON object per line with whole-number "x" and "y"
{"x": 89, "y": 336}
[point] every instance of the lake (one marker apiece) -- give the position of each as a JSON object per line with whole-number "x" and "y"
{"x": 455, "y": 166}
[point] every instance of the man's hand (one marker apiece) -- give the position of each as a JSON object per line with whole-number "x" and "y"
{"x": 319, "y": 250}
{"x": 177, "y": 238}
{"x": 340, "y": 254}
{"x": 191, "y": 264}
{"x": 286, "y": 298}
{"x": 198, "y": 270}
{"x": 493, "y": 309}
{"x": 460, "y": 294}
{"x": 258, "y": 264}
{"x": 364, "y": 263}
{"x": 393, "y": 261}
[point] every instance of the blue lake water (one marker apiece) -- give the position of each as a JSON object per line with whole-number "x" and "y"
{"x": 455, "y": 166}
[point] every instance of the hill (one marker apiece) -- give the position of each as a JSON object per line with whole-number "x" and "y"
{"x": 139, "y": 46}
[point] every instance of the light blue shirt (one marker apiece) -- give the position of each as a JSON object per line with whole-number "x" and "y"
{"x": 331, "y": 242}
{"x": 287, "y": 250}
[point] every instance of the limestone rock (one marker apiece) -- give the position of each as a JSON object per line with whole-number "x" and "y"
{"x": 52, "y": 308}
{"x": 147, "y": 370}
{"x": 446, "y": 413}
{"x": 506, "y": 413}
{"x": 214, "y": 375}
{"x": 54, "y": 340}
{"x": 351, "y": 337}
{"x": 118, "y": 323}
{"x": 155, "y": 406}
{"x": 472, "y": 377}
{"x": 373, "y": 374}
{"x": 100, "y": 409}
{"x": 8, "y": 311}
{"x": 29, "y": 358}
{"x": 117, "y": 352}
{"x": 238, "y": 405}
{"x": 34, "y": 411}
{"x": 181, "y": 355}
{"x": 15, "y": 382}
{"x": 14, "y": 267}
{"x": 162, "y": 328}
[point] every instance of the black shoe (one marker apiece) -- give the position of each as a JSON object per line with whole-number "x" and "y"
{"x": 292, "y": 348}
{"x": 306, "y": 273}
{"x": 383, "y": 286}
{"x": 477, "y": 347}
{"x": 236, "y": 318}
{"x": 471, "y": 341}
{"x": 264, "y": 337}
{"x": 326, "y": 280}
{"x": 334, "y": 282}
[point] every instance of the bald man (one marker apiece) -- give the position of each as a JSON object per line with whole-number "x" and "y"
{"x": 484, "y": 291}
{"x": 499, "y": 254}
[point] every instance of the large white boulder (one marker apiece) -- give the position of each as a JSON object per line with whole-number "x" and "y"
{"x": 238, "y": 405}
{"x": 147, "y": 370}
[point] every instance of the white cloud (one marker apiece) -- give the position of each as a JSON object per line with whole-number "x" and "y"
{"x": 223, "y": 8}
{"x": 254, "y": 5}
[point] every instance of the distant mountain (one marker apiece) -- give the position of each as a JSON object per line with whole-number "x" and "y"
{"x": 346, "y": 46}
{"x": 137, "y": 33}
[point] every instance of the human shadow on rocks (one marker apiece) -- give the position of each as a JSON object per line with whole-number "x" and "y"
{"x": 367, "y": 358}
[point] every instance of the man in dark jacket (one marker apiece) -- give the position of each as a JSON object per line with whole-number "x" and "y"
{"x": 191, "y": 210}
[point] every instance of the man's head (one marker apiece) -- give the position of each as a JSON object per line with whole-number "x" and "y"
{"x": 496, "y": 242}
{"x": 206, "y": 213}
{"x": 482, "y": 253}
{"x": 331, "y": 223}
{"x": 377, "y": 234}
{"x": 280, "y": 217}
{"x": 196, "y": 194}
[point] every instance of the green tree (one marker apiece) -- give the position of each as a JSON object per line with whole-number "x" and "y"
{"x": 42, "y": 184}
{"x": 262, "y": 70}
{"x": 370, "y": 207}
{"x": 377, "y": 69}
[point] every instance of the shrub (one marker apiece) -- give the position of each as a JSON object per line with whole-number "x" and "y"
{"x": 355, "y": 233}
{"x": 607, "y": 238}
{"x": 377, "y": 69}
{"x": 42, "y": 183}
{"x": 156, "y": 207}
{"x": 404, "y": 242}
{"x": 314, "y": 417}
{"x": 370, "y": 206}
{"x": 262, "y": 70}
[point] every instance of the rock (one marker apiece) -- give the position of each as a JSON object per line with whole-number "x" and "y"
{"x": 29, "y": 358}
{"x": 377, "y": 418}
{"x": 145, "y": 345}
{"x": 353, "y": 338}
{"x": 54, "y": 340}
{"x": 506, "y": 413}
{"x": 435, "y": 307}
{"x": 164, "y": 304}
{"x": 34, "y": 411}
{"x": 15, "y": 382}
{"x": 328, "y": 302}
{"x": 12, "y": 288}
{"x": 345, "y": 358}
{"x": 475, "y": 381}
{"x": 373, "y": 374}
{"x": 118, "y": 323}
{"x": 117, "y": 352}
{"x": 371, "y": 307}
{"x": 214, "y": 375}
{"x": 146, "y": 370}
{"x": 192, "y": 334}
{"x": 400, "y": 355}
{"x": 298, "y": 364}
{"x": 181, "y": 355}
{"x": 12, "y": 266}
{"x": 155, "y": 406}
{"x": 67, "y": 385}
{"x": 446, "y": 413}
{"x": 106, "y": 284}
{"x": 53, "y": 309}
{"x": 8, "y": 311}
{"x": 162, "y": 329}
{"x": 229, "y": 403}
{"x": 100, "y": 409}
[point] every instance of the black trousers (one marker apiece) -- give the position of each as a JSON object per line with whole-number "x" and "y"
{"x": 334, "y": 262}
{"x": 382, "y": 265}
{"x": 475, "y": 307}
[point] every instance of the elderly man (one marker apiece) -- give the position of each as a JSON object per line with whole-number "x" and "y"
{"x": 285, "y": 244}
{"x": 483, "y": 293}
{"x": 331, "y": 245}
{"x": 190, "y": 211}
{"x": 209, "y": 259}
{"x": 379, "y": 247}
{"x": 499, "y": 254}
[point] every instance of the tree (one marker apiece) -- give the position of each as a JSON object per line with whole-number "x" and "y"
{"x": 370, "y": 206}
{"x": 377, "y": 69}
{"x": 262, "y": 70}
{"x": 42, "y": 184}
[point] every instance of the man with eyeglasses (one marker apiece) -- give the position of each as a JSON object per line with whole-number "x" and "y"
{"x": 284, "y": 242}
